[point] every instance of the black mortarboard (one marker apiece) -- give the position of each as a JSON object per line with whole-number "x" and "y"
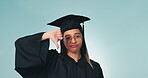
{"x": 69, "y": 22}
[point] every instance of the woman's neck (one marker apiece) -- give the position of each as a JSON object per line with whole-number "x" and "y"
{"x": 76, "y": 56}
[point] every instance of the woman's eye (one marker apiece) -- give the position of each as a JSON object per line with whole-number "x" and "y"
{"x": 67, "y": 38}
{"x": 77, "y": 36}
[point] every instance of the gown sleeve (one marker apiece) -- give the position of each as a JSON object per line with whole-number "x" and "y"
{"x": 31, "y": 54}
{"x": 98, "y": 70}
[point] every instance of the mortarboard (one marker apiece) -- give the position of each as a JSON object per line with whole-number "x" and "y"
{"x": 69, "y": 22}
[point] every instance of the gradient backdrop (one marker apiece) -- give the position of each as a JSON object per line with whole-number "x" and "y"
{"x": 117, "y": 35}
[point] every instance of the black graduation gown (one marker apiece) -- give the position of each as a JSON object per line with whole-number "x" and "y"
{"x": 34, "y": 60}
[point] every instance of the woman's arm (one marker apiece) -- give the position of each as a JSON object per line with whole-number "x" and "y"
{"x": 32, "y": 51}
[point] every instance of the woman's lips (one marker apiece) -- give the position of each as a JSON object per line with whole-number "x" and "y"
{"x": 73, "y": 46}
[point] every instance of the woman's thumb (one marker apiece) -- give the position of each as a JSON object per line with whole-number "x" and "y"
{"x": 56, "y": 43}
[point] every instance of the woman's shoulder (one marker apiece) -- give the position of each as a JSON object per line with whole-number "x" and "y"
{"x": 97, "y": 68}
{"x": 94, "y": 63}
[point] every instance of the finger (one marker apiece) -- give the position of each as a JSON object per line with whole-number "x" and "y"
{"x": 59, "y": 36}
{"x": 58, "y": 32}
{"x": 56, "y": 43}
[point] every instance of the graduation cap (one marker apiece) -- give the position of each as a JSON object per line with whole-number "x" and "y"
{"x": 69, "y": 22}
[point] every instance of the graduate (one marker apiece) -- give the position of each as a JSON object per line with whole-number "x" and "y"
{"x": 34, "y": 60}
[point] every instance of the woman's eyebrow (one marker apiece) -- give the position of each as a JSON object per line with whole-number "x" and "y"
{"x": 66, "y": 35}
{"x": 77, "y": 33}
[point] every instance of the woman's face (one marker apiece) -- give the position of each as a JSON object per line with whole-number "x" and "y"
{"x": 73, "y": 40}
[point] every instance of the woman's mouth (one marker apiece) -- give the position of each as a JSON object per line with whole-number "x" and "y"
{"x": 73, "y": 46}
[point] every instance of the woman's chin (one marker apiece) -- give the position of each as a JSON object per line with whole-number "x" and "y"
{"x": 74, "y": 51}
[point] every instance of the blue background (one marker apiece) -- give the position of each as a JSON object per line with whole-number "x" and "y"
{"x": 116, "y": 36}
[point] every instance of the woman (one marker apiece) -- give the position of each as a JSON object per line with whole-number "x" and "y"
{"x": 34, "y": 60}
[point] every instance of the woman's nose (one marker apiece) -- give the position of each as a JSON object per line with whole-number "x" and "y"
{"x": 73, "y": 40}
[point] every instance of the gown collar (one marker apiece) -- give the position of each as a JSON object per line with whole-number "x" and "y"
{"x": 67, "y": 58}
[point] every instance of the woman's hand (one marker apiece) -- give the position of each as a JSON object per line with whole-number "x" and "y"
{"x": 54, "y": 35}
